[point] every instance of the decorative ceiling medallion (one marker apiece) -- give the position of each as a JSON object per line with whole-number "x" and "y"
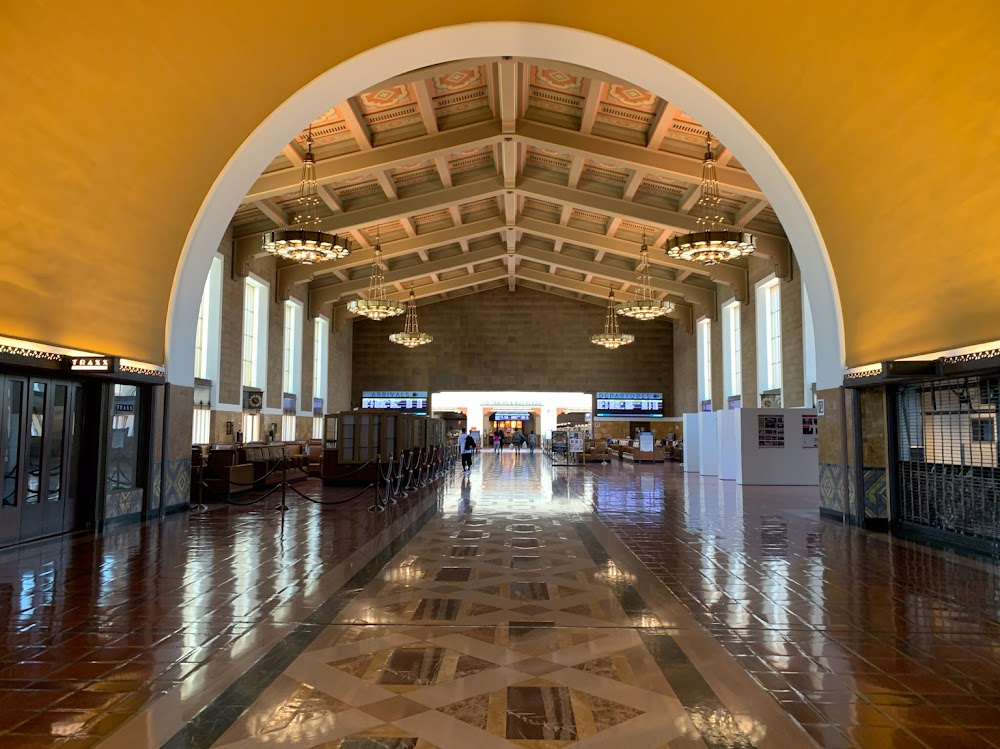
{"x": 633, "y": 96}
{"x": 459, "y": 80}
{"x": 558, "y": 80}
{"x": 385, "y": 98}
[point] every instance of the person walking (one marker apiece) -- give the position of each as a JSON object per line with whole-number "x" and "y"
{"x": 531, "y": 443}
{"x": 468, "y": 446}
{"x": 517, "y": 440}
{"x": 497, "y": 441}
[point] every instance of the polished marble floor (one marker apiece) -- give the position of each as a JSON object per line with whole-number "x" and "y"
{"x": 521, "y": 605}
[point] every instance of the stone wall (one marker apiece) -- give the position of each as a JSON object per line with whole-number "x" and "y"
{"x": 525, "y": 340}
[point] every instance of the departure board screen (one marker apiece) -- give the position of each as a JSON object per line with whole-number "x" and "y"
{"x": 646, "y": 405}
{"x": 410, "y": 401}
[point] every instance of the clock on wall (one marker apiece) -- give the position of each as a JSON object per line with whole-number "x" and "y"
{"x": 253, "y": 400}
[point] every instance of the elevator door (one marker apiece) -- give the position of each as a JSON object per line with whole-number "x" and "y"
{"x": 40, "y": 423}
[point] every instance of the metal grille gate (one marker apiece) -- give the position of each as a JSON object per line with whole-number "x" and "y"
{"x": 947, "y": 450}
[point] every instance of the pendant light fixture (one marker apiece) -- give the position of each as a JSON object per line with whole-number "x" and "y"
{"x": 612, "y": 337}
{"x": 714, "y": 242}
{"x": 303, "y": 242}
{"x": 411, "y": 337}
{"x": 377, "y": 306}
{"x": 644, "y": 305}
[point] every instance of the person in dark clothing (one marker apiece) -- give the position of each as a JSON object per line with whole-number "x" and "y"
{"x": 468, "y": 446}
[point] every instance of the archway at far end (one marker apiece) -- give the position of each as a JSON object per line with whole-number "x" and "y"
{"x": 557, "y": 43}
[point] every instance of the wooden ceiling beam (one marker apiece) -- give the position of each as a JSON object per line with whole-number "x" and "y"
{"x": 682, "y": 312}
{"x": 632, "y": 157}
{"x": 508, "y": 95}
{"x": 420, "y": 292}
{"x": 384, "y": 158}
{"x": 361, "y": 164}
{"x": 425, "y": 100}
{"x": 702, "y": 297}
{"x": 273, "y": 212}
{"x": 662, "y": 123}
{"x": 337, "y": 291}
{"x": 725, "y": 273}
{"x": 291, "y": 275}
{"x": 355, "y": 122}
{"x": 593, "y": 93}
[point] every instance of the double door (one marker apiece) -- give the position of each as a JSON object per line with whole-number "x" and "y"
{"x": 41, "y": 422}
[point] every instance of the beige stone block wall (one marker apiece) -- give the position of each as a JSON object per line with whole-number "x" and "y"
{"x": 527, "y": 340}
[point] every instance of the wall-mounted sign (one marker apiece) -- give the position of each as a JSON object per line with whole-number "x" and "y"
{"x": 410, "y": 401}
{"x": 647, "y": 405}
{"x": 124, "y": 408}
{"x": 90, "y": 364}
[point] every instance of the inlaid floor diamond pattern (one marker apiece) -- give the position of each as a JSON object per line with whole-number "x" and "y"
{"x": 484, "y": 632}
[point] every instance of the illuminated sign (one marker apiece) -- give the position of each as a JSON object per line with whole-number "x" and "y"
{"x": 512, "y": 416}
{"x": 91, "y": 364}
{"x": 649, "y": 405}
{"x": 409, "y": 401}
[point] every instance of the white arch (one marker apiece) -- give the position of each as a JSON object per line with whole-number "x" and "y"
{"x": 498, "y": 39}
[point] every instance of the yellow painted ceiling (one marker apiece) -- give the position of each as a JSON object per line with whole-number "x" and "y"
{"x": 118, "y": 116}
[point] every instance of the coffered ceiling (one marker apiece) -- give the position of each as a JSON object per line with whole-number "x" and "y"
{"x": 487, "y": 173}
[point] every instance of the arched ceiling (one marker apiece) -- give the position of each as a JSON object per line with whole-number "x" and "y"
{"x": 483, "y": 173}
{"x": 119, "y": 118}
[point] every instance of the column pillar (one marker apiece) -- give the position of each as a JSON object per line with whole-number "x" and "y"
{"x": 175, "y": 446}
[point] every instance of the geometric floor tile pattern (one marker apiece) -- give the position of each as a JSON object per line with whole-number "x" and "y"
{"x": 526, "y": 635}
{"x": 523, "y": 606}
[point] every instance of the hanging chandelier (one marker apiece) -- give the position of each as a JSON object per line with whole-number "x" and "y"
{"x": 714, "y": 242}
{"x": 612, "y": 338}
{"x": 304, "y": 242}
{"x": 411, "y": 337}
{"x": 644, "y": 305}
{"x": 377, "y": 306}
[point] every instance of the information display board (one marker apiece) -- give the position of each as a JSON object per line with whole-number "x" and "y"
{"x": 512, "y": 416}
{"x": 408, "y": 401}
{"x": 810, "y": 431}
{"x": 646, "y": 442}
{"x": 645, "y": 405}
{"x": 575, "y": 442}
{"x": 770, "y": 431}
{"x": 560, "y": 442}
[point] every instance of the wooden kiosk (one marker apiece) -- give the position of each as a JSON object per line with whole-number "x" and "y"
{"x": 356, "y": 443}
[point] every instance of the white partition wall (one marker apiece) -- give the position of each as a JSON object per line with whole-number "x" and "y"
{"x": 729, "y": 444}
{"x": 777, "y": 447}
{"x": 708, "y": 448}
{"x": 692, "y": 463}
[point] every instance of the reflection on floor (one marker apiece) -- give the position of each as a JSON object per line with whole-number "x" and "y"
{"x": 524, "y": 605}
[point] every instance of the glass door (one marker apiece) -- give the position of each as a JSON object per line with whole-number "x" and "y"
{"x": 40, "y": 423}
{"x": 13, "y": 415}
{"x": 36, "y": 478}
